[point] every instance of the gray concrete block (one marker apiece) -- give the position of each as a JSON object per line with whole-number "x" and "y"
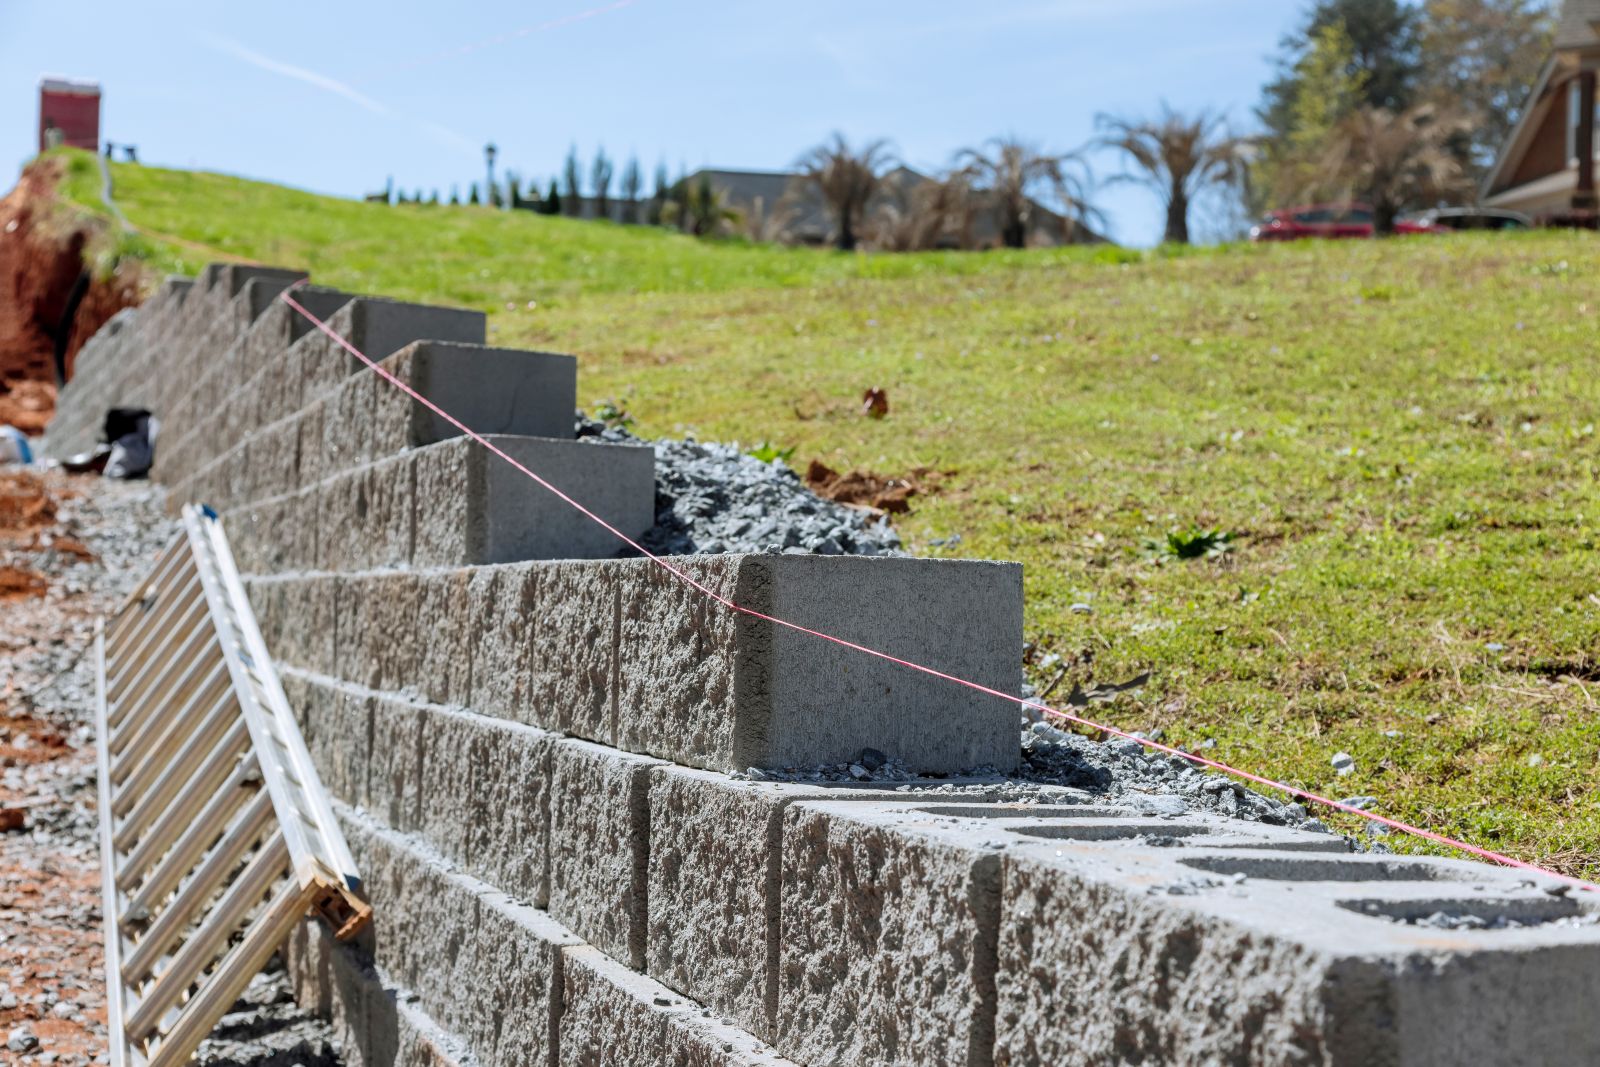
{"x": 1196, "y": 955}
{"x": 475, "y": 508}
{"x": 365, "y": 518}
{"x": 888, "y": 922}
{"x": 492, "y": 390}
{"x": 272, "y": 536}
{"x": 483, "y": 966}
{"x": 296, "y": 618}
{"x": 617, "y": 1016}
{"x": 376, "y": 1023}
{"x": 599, "y": 846}
{"x": 474, "y": 788}
{"x": 795, "y": 700}
{"x": 619, "y": 652}
{"x": 546, "y": 646}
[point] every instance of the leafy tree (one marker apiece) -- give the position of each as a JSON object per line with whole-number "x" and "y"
{"x": 1384, "y": 57}
{"x": 658, "y": 200}
{"x": 600, "y": 183}
{"x": 632, "y": 185}
{"x": 472, "y": 194}
{"x": 1330, "y": 88}
{"x": 846, "y": 178}
{"x": 679, "y": 210}
{"x": 573, "y": 194}
{"x": 1179, "y": 157}
{"x": 1480, "y": 57}
{"x": 1394, "y": 160}
{"x": 1008, "y": 173}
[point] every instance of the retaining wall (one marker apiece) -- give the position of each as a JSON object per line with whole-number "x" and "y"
{"x": 534, "y": 751}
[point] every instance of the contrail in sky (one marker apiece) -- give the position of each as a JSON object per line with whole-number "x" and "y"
{"x": 332, "y": 85}
{"x": 289, "y": 70}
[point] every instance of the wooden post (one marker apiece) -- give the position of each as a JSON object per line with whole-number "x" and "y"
{"x": 1583, "y": 198}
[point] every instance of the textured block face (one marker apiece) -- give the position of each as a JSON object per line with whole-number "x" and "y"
{"x": 508, "y": 819}
{"x": 827, "y": 702}
{"x": 886, "y": 943}
{"x": 599, "y": 815}
{"x": 678, "y": 655}
{"x": 482, "y": 966}
{"x": 365, "y": 517}
{"x": 617, "y": 1016}
{"x": 1283, "y": 958}
{"x": 713, "y": 865}
{"x": 296, "y": 619}
{"x": 338, "y": 728}
{"x": 546, "y": 650}
{"x": 492, "y": 390}
{"x": 447, "y": 476}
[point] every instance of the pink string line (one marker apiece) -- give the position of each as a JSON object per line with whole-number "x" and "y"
{"x": 1010, "y": 698}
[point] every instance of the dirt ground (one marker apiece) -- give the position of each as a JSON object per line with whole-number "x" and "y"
{"x": 70, "y": 548}
{"x": 41, "y": 255}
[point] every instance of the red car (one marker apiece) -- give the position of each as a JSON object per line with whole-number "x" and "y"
{"x": 1329, "y": 220}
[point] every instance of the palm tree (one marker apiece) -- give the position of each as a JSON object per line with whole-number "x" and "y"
{"x": 1008, "y": 171}
{"x": 1178, "y": 156}
{"x": 846, "y": 178}
{"x": 1394, "y": 160}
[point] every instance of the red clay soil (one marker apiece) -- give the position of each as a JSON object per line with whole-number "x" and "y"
{"x": 41, "y": 255}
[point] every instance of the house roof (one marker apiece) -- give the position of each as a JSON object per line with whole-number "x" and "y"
{"x": 1579, "y": 19}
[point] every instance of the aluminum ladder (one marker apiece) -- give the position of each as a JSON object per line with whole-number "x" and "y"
{"x": 216, "y": 836}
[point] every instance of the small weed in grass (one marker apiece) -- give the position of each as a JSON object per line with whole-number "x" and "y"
{"x": 614, "y": 413}
{"x": 1189, "y": 544}
{"x": 767, "y": 452}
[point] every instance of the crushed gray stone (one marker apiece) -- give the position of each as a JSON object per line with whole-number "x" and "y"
{"x": 715, "y": 498}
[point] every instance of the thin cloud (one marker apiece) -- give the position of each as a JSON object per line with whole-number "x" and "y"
{"x": 443, "y": 134}
{"x": 289, "y": 70}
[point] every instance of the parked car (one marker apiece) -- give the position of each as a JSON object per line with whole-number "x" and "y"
{"x": 1474, "y": 218}
{"x": 1328, "y": 220}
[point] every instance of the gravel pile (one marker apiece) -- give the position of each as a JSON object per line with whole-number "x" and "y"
{"x": 715, "y": 498}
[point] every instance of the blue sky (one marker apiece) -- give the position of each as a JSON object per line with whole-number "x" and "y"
{"x": 335, "y": 98}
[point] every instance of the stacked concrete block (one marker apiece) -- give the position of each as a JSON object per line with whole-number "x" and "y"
{"x": 1190, "y": 956}
{"x": 542, "y": 767}
{"x": 569, "y": 646}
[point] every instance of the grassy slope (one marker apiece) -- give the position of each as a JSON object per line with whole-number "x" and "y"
{"x": 1402, "y": 434}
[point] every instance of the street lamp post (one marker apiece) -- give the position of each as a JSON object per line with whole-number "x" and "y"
{"x": 489, "y": 151}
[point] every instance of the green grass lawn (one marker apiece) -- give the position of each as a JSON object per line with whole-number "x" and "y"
{"x": 1400, "y": 435}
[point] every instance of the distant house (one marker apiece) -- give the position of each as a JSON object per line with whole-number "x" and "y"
{"x": 1547, "y": 167}
{"x": 777, "y": 205}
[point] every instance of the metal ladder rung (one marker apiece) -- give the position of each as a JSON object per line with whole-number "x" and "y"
{"x": 175, "y": 916}
{"x": 165, "y": 770}
{"x": 246, "y": 892}
{"x": 124, "y": 622}
{"x": 223, "y": 986}
{"x": 163, "y": 621}
{"x": 139, "y": 707}
{"x": 194, "y": 691}
{"x": 202, "y": 792}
